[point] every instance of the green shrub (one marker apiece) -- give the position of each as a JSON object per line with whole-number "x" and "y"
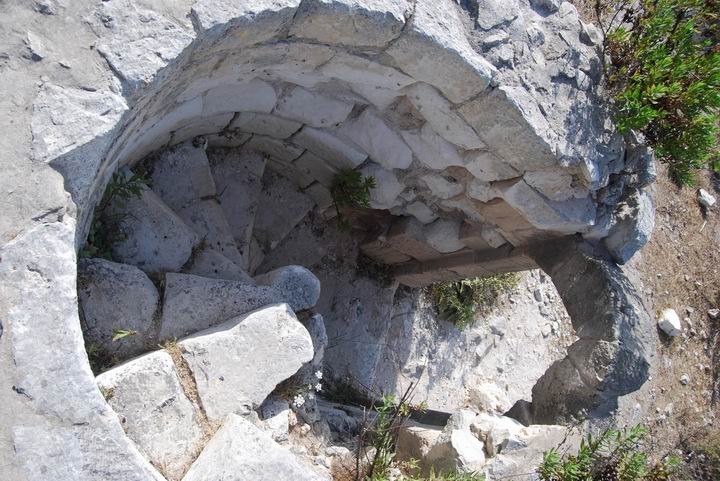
{"x": 614, "y": 455}
{"x": 458, "y": 301}
{"x": 664, "y": 75}
{"x": 350, "y": 189}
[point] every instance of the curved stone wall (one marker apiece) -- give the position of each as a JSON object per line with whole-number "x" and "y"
{"x": 452, "y": 110}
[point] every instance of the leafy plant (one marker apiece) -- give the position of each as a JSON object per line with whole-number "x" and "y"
{"x": 350, "y": 189}
{"x": 122, "y": 333}
{"x": 458, "y": 301}
{"x": 664, "y": 75}
{"x": 613, "y": 455}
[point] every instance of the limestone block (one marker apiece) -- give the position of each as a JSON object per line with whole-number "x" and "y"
{"x": 192, "y": 303}
{"x": 277, "y": 149}
{"x": 208, "y": 220}
{"x": 155, "y": 412}
{"x": 201, "y": 126}
{"x": 434, "y": 49}
{"x": 415, "y": 440}
{"x": 456, "y": 450}
{"x": 315, "y": 168}
{"x": 210, "y": 263}
{"x": 387, "y": 187}
{"x": 351, "y": 68}
{"x": 484, "y": 423}
{"x": 227, "y": 139}
{"x": 264, "y": 124}
{"x": 275, "y": 413}
{"x": 421, "y": 212}
{"x": 181, "y": 175}
{"x": 252, "y": 96}
{"x": 360, "y": 23}
{"x": 382, "y": 143}
{"x": 431, "y": 149}
{"x": 383, "y": 252}
{"x": 471, "y": 235}
{"x": 489, "y": 398}
{"x": 330, "y": 148}
{"x": 116, "y": 296}
{"x": 496, "y": 13}
{"x": 157, "y": 240}
{"x": 238, "y": 363}
{"x": 238, "y": 178}
{"x": 379, "y": 97}
{"x": 320, "y": 195}
{"x": 441, "y": 187}
{"x": 239, "y": 451}
{"x": 407, "y": 235}
{"x": 556, "y": 184}
{"x": 312, "y": 108}
{"x": 443, "y": 235}
{"x": 445, "y": 121}
{"x": 488, "y": 167}
{"x": 632, "y": 225}
{"x": 669, "y": 322}
{"x": 482, "y": 191}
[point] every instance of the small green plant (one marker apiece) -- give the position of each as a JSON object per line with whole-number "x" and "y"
{"x": 458, "y": 301}
{"x": 100, "y": 358}
{"x": 664, "y": 76}
{"x": 104, "y": 229}
{"x": 350, "y": 189}
{"x": 613, "y": 455}
{"x": 122, "y": 333}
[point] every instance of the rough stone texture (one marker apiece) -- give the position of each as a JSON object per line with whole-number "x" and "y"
{"x": 312, "y": 109}
{"x": 456, "y": 450}
{"x": 155, "y": 412}
{"x": 239, "y": 451}
{"x": 669, "y": 322}
{"x": 383, "y": 145}
{"x": 633, "y": 224}
{"x": 116, "y": 296}
{"x": 415, "y": 440}
{"x": 192, "y": 303}
{"x": 210, "y": 263}
{"x": 238, "y": 363}
{"x": 181, "y": 175}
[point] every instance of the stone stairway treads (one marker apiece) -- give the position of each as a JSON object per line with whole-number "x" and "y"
{"x": 207, "y": 218}
{"x": 192, "y": 303}
{"x": 280, "y": 209}
{"x": 154, "y": 238}
{"x": 241, "y": 452}
{"x": 116, "y": 296}
{"x": 208, "y": 262}
{"x": 239, "y": 362}
{"x": 238, "y": 180}
{"x": 147, "y": 395}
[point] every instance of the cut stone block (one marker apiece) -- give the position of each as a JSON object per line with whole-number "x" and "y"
{"x": 192, "y": 303}
{"x": 210, "y": 263}
{"x": 432, "y": 150}
{"x": 181, "y": 175}
{"x": 387, "y": 187}
{"x": 320, "y": 195}
{"x": 228, "y": 139}
{"x": 480, "y": 237}
{"x": 407, "y": 235}
{"x": 415, "y": 440}
{"x": 238, "y": 177}
{"x": 275, "y": 414}
{"x": 379, "y": 97}
{"x": 456, "y": 450}
{"x": 443, "y": 235}
{"x": 313, "y": 109}
{"x": 276, "y": 149}
{"x": 157, "y": 240}
{"x": 421, "y": 212}
{"x": 253, "y": 96}
{"x": 237, "y": 364}
{"x": 281, "y": 207}
{"x": 315, "y": 168}
{"x": 241, "y": 452}
{"x": 147, "y": 396}
{"x": 116, "y": 296}
{"x": 633, "y": 223}
{"x": 351, "y": 68}
{"x": 441, "y": 187}
{"x": 383, "y": 252}
{"x": 383, "y": 144}
{"x": 201, "y": 126}
{"x": 207, "y": 218}
{"x": 264, "y": 124}
{"x": 488, "y": 167}
{"x": 330, "y": 148}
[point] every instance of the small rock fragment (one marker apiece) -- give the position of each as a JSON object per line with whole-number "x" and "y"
{"x": 684, "y": 379}
{"x": 669, "y": 322}
{"x": 713, "y": 313}
{"x": 706, "y": 198}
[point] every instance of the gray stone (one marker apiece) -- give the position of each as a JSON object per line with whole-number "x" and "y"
{"x": 252, "y": 96}
{"x": 330, "y": 148}
{"x": 210, "y": 263}
{"x": 432, "y": 150}
{"x": 705, "y": 198}
{"x": 115, "y": 296}
{"x": 275, "y": 414}
{"x": 313, "y": 109}
{"x": 238, "y": 363}
{"x": 383, "y": 144}
{"x": 441, "y": 187}
{"x": 155, "y": 412}
{"x": 487, "y": 167}
{"x": 181, "y": 175}
{"x": 421, "y": 212}
{"x": 277, "y": 149}
{"x": 494, "y": 14}
{"x": 456, "y": 450}
{"x": 315, "y": 168}
{"x": 239, "y": 451}
{"x": 633, "y": 223}
{"x": 443, "y": 235}
{"x": 415, "y": 440}
{"x": 354, "y": 69}
{"x": 387, "y": 187}
{"x": 297, "y": 285}
{"x": 263, "y": 124}
{"x": 669, "y": 322}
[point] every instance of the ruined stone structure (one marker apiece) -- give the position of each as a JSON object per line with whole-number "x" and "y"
{"x": 482, "y": 122}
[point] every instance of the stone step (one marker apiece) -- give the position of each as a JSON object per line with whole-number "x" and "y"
{"x": 282, "y": 206}
{"x": 192, "y": 303}
{"x": 207, "y": 262}
{"x": 238, "y": 181}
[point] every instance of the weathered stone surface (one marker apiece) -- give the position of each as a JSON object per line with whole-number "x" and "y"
{"x": 263, "y": 124}
{"x": 354, "y": 69}
{"x": 192, "y": 303}
{"x": 415, "y": 440}
{"x": 210, "y": 263}
{"x": 275, "y": 414}
{"x": 383, "y": 144}
{"x": 238, "y": 363}
{"x": 239, "y": 451}
{"x": 157, "y": 240}
{"x": 456, "y": 450}
{"x": 706, "y": 198}
{"x": 669, "y": 322}
{"x": 387, "y": 187}
{"x": 277, "y": 149}
{"x": 407, "y": 235}
{"x": 315, "y": 168}
{"x": 311, "y": 108}
{"x": 441, "y": 187}
{"x": 155, "y": 413}
{"x": 489, "y": 397}
{"x": 421, "y": 212}
{"x": 253, "y": 96}
{"x": 116, "y": 296}
{"x": 633, "y": 223}
{"x": 181, "y": 175}
{"x": 432, "y": 150}
{"x": 556, "y": 184}
{"x": 329, "y": 147}
{"x": 444, "y": 235}
{"x": 487, "y": 167}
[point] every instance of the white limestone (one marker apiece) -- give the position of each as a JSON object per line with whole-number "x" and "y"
{"x": 383, "y": 144}
{"x": 311, "y": 108}
{"x": 326, "y": 145}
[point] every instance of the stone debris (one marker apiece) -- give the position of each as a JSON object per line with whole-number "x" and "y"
{"x": 706, "y": 198}
{"x": 669, "y": 322}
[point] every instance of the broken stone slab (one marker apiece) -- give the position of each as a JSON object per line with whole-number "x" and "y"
{"x": 238, "y": 363}
{"x": 421, "y": 212}
{"x": 148, "y": 397}
{"x": 275, "y": 414}
{"x": 431, "y": 149}
{"x": 490, "y": 428}
{"x": 208, "y": 220}
{"x": 277, "y": 149}
{"x": 210, "y": 263}
{"x": 326, "y": 145}
{"x": 632, "y": 224}
{"x": 443, "y": 235}
{"x": 556, "y": 184}
{"x": 488, "y": 167}
{"x": 181, "y": 175}
{"x": 193, "y": 303}
{"x": 115, "y": 296}
{"x": 241, "y": 452}
{"x": 489, "y": 397}
{"x": 252, "y": 96}
{"x": 442, "y": 188}
{"x": 280, "y": 207}
{"x": 311, "y": 166}
{"x": 706, "y": 198}
{"x": 354, "y": 69}
{"x": 264, "y": 124}
{"x": 382, "y": 252}
{"x": 384, "y": 145}
{"x": 455, "y": 450}
{"x": 669, "y": 322}
{"x": 156, "y": 239}
{"x": 312, "y": 108}
{"x": 415, "y": 440}
{"x": 199, "y": 127}
{"x": 238, "y": 177}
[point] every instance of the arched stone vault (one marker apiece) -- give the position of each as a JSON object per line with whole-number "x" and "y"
{"x": 486, "y": 120}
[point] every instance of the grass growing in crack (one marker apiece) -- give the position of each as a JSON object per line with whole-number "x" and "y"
{"x": 458, "y": 301}
{"x": 104, "y": 229}
{"x": 350, "y": 189}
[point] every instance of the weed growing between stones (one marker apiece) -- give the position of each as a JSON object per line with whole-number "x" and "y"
{"x": 104, "y": 229}
{"x": 350, "y": 189}
{"x": 458, "y": 301}
{"x": 613, "y": 455}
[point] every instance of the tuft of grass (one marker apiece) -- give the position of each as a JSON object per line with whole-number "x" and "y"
{"x": 350, "y": 189}
{"x": 458, "y": 301}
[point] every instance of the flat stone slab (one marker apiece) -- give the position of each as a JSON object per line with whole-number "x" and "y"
{"x": 192, "y": 303}
{"x": 181, "y": 175}
{"x": 238, "y": 363}
{"x": 147, "y": 396}
{"x": 116, "y": 296}
{"x": 241, "y": 452}
{"x": 210, "y": 263}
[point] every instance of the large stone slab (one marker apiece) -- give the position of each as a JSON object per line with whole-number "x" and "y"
{"x": 312, "y": 108}
{"x": 384, "y": 145}
{"x": 157, "y": 415}
{"x": 116, "y": 296}
{"x": 192, "y": 303}
{"x": 207, "y": 218}
{"x": 207, "y": 262}
{"x": 181, "y": 175}
{"x": 327, "y": 145}
{"x": 263, "y": 124}
{"x": 431, "y": 149}
{"x": 238, "y": 363}
{"x": 241, "y": 452}
{"x": 354, "y": 69}
{"x": 252, "y": 96}
{"x": 632, "y": 224}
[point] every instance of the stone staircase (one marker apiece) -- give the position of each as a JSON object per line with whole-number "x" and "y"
{"x": 214, "y": 339}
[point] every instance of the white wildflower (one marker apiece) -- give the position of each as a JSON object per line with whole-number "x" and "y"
{"x": 298, "y": 401}
{"x": 318, "y": 374}
{"x": 318, "y": 387}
